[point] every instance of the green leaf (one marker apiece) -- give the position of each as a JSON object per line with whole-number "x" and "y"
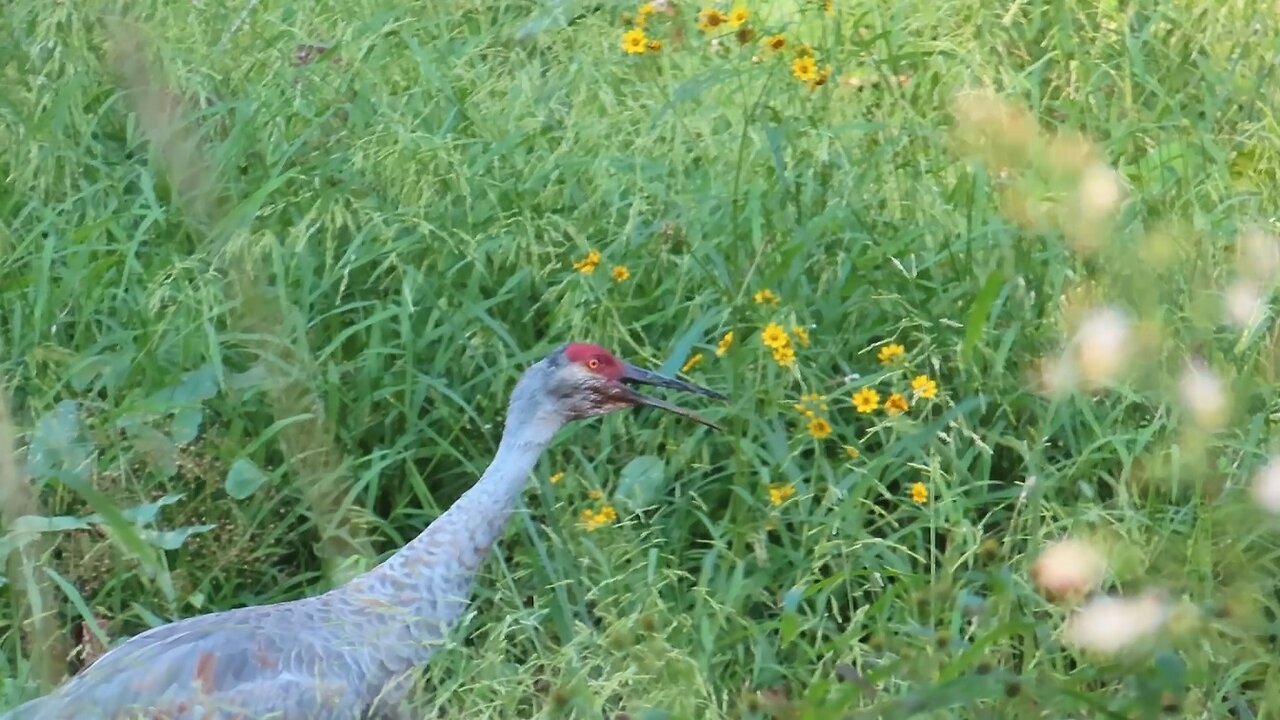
{"x": 57, "y": 445}
{"x": 195, "y": 387}
{"x": 173, "y": 539}
{"x": 156, "y": 447}
{"x": 553, "y": 15}
{"x": 146, "y": 513}
{"x": 777, "y": 143}
{"x": 77, "y": 600}
{"x": 40, "y": 524}
{"x": 680, "y": 351}
{"x": 791, "y": 599}
{"x": 186, "y": 425}
{"x": 122, "y": 531}
{"x": 1171, "y": 670}
{"x": 243, "y": 479}
{"x": 979, "y": 312}
{"x": 641, "y": 481}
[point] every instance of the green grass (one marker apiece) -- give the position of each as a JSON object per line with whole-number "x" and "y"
{"x": 334, "y": 273}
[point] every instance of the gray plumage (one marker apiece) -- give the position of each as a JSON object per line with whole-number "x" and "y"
{"x": 349, "y": 654}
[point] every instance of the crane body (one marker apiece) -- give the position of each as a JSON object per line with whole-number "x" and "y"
{"x": 349, "y": 654}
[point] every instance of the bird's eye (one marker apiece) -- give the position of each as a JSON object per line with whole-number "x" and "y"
{"x": 593, "y": 363}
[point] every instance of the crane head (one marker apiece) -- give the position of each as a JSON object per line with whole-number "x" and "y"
{"x": 589, "y": 381}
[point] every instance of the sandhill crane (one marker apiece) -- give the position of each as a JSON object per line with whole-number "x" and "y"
{"x": 350, "y": 652}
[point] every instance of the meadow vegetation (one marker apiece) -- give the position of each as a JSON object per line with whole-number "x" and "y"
{"x": 990, "y": 286}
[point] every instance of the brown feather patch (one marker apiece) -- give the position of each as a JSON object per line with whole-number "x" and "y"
{"x": 204, "y": 672}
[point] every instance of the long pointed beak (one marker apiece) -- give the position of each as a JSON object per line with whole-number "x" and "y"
{"x": 632, "y": 375}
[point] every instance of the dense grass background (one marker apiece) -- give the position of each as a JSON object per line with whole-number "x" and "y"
{"x": 260, "y": 313}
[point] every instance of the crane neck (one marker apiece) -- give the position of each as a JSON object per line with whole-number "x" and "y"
{"x": 459, "y": 540}
{"x": 481, "y": 514}
{"x": 410, "y": 602}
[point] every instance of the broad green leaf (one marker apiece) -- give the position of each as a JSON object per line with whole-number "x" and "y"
{"x": 110, "y": 367}
{"x": 146, "y": 513}
{"x": 197, "y": 386}
{"x": 57, "y": 445}
{"x": 194, "y": 388}
{"x": 159, "y": 450}
{"x": 641, "y": 481}
{"x": 173, "y": 539}
{"x": 186, "y": 425}
{"x": 243, "y": 479}
{"x": 40, "y": 524}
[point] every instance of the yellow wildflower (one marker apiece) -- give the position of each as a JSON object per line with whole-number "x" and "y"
{"x": 775, "y": 337}
{"x": 810, "y": 405}
{"x": 634, "y": 42}
{"x": 725, "y": 343}
{"x": 620, "y": 273}
{"x": 774, "y": 43}
{"x": 710, "y": 18}
{"x": 595, "y": 494}
{"x": 852, "y": 452}
{"x": 691, "y": 363}
{"x": 655, "y": 45}
{"x": 557, "y": 477}
{"x": 803, "y": 50}
{"x": 645, "y": 11}
{"x": 785, "y": 356}
{"x": 919, "y": 493}
{"x": 890, "y": 352}
{"x": 595, "y": 519}
{"x": 925, "y": 387}
{"x": 588, "y": 264}
{"x": 819, "y": 428}
{"x": 738, "y": 16}
{"x": 866, "y": 400}
{"x": 814, "y": 400}
{"x": 821, "y": 78}
{"x": 802, "y": 335}
{"x": 805, "y": 68}
{"x": 829, "y": 7}
{"x": 766, "y": 297}
{"x": 780, "y": 493}
{"x": 896, "y": 404}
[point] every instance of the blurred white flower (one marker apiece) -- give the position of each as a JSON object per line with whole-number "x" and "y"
{"x": 1259, "y": 256}
{"x": 1027, "y": 486}
{"x": 1069, "y": 568}
{"x": 1102, "y": 345}
{"x": 1057, "y": 376}
{"x": 1101, "y": 191}
{"x": 1204, "y": 395}
{"x": 1244, "y": 304}
{"x": 1266, "y": 486}
{"x": 1109, "y": 624}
